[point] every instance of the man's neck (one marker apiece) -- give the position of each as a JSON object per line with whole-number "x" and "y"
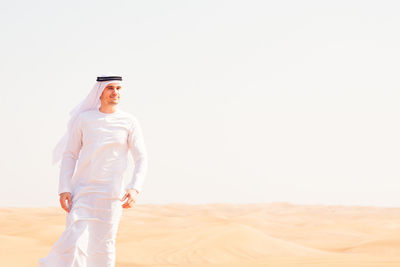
{"x": 108, "y": 108}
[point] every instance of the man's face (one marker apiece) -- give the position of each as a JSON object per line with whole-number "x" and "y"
{"x": 111, "y": 94}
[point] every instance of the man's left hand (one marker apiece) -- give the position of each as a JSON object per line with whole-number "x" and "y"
{"x": 131, "y": 195}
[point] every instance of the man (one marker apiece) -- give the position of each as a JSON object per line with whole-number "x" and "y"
{"x": 99, "y": 137}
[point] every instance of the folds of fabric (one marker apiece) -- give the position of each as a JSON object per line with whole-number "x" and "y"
{"x": 89, "y": 237}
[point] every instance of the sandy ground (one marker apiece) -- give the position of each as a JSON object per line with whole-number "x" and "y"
{"x": 222, "y": 235}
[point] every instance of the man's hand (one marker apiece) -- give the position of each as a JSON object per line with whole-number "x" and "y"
{"x": 131, "y": 195}
{"x": 66, "y": 196}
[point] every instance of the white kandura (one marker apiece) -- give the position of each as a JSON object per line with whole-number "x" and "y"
{"x": 101, "y": 141}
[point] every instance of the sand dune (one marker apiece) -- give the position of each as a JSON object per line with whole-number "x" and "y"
{"x": 222, "y": 235}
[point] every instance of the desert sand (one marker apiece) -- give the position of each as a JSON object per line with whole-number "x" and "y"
{"x": 222, "y": 235}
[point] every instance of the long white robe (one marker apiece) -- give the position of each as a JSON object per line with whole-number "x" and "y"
{"x": 101, "y": 142}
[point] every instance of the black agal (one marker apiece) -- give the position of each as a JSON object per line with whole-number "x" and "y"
{"x": 109, "y": 78}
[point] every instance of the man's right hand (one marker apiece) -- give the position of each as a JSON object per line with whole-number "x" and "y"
{"x": 66, "y": 196}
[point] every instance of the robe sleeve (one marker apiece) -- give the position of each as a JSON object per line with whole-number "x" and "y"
{"x": 70, "y": 156}
{"x": 137, "y": 148}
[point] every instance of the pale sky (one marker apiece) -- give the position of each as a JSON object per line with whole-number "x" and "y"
{"x": 239, "y": 101}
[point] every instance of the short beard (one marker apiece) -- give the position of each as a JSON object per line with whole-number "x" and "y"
{"x": 112, "y": 103}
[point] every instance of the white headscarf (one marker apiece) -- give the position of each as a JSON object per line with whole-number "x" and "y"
{"x": 91, "y": 102}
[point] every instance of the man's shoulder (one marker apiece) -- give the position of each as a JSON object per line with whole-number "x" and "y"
{"x": 86, "y": 114}
{"x": 128, "y": 115}
{"x": 133, "y": 119}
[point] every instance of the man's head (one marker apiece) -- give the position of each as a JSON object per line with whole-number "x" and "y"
{"x": 111, "y": 94}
